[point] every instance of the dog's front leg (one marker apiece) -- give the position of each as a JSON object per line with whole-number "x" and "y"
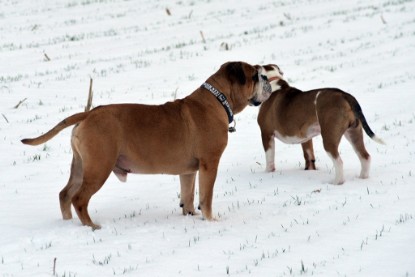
{"x": 207, "y": 177}
{"x": 269, "y": 147}
{"x": 308, "y": 151}
{"x": 187, "y": 193}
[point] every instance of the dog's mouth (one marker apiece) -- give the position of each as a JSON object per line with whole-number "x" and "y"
{"x": 273, "y": 79}
{"x": 266, "y": 91}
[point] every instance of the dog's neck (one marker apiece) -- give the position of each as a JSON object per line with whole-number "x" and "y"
{"x": 224, "y": 97}
{"x": 221, "y": 98}
{"x": 281, "y": 85}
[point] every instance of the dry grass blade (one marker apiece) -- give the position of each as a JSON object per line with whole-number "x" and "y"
{"x": 5, "y": 118}
{"x": 46, "y": 57}
{"x": 54, "y": 266}
{"x": 20, "y": 102}
{"x": 383, "y": 19}
{"x": 203, "y": 37}
{"x": 90, "y": 94}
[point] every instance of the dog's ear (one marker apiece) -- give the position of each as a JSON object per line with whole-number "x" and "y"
{"x": 236, "y": 72}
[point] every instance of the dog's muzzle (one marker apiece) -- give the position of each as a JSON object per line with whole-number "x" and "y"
{"x": 266, "y": 91}
{"x": 266, "y": 86}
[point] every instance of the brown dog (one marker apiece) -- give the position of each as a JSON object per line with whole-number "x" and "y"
{"x": 294, "y": 116}
{"x": 180, "y": 138}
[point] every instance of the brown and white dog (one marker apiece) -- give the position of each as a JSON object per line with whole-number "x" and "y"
{"x": 294, "y": 116}
{"x": 180, "y": 138}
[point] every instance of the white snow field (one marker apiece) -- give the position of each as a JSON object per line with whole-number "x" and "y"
{"x": 287, "y": 223}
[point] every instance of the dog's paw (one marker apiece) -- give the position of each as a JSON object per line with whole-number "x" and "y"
{"x": 207, "y": 215}
{"x": 270, "y": 168}
{"x": 364, "y": 175}
{"x": 67, "y": 216}
{"x": 211, "y": 219}
{"x": 188, "y": 210}
{"x": 310, "y": 166}
{"x": 338, "y": 182}
{"x": 95, "y": 227}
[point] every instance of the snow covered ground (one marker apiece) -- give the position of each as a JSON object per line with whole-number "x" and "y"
{"x": 290, "y": 222}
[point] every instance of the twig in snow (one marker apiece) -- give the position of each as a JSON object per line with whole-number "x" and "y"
{"x": 46, "y": 57}
{"x": 20, "y": 102}
{"x": 224, "y": 46}
{"x": 175, "y": 94}
{"x": 90, "y": 94}
{"x": 168, "y": 11}
{"x": 302, "y": 267}
{"x": 383, "y": 19}
{"x": 54, "y": 266}
{"x": 203, "y": 37}
{"x": 287, "y": 16}
{"x": 5, "y": 118}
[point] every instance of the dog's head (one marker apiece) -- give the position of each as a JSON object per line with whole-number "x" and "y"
{"x": 248, "y": 84}
{"x": 268, "y": 78}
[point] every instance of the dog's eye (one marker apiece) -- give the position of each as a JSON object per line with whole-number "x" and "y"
{"x": 265, "y": 78}
{"x": 255, "y": 78}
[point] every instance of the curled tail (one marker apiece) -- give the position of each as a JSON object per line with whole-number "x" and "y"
{"x": 357, "y": 110}
{"x": 73, "y": 119}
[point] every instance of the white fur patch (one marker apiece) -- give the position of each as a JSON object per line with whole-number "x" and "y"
{"x": 289, "y": 140}
{"x": 338, "y": 168}
{"x": 274, "y": 85}
{"x": 378, "y": 140}
{"x": 315, "y": 100}
{"x": 270, "y": 156}
{"x": 364, "y": 173}
{"x": 312, "y": 131}
{"x": 365, "y": 164}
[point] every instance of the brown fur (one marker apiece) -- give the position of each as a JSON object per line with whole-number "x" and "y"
{"x": 180, "y": 137}
{"x": 294, "y": 116}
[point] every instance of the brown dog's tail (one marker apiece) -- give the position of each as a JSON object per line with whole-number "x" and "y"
{"x": 357, "y": 110}
{"x": 73, "y": 119}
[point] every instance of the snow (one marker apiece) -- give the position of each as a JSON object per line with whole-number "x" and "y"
{"x": 290, "y": 222}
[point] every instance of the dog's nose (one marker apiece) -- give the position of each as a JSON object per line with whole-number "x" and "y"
{"x": 254, "y": 102}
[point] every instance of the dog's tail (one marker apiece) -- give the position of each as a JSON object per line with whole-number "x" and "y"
{"x": 357, "y": 110}
{"x": 73, "y": 119}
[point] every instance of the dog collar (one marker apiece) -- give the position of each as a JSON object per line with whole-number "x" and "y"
{"x": 222, "y": 99}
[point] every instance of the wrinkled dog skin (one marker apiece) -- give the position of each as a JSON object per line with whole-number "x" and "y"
{"x": 294, "y": 116}
{"x": 179, "y": 138}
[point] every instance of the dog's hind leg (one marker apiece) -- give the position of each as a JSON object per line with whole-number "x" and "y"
{"x": 187, "y": 193}
{"x": 268, "y": 143}
{"x": 308, "y": 151}
{"x": 338, "y": 168}
{"x": 333, "y": 153}
{"x": 333, "y": 121}
{"x": 331, "y": 136}
{"x": 355, "y": 136}
{"x": 75, "y": 181}
{"x": 97, "y": 166}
